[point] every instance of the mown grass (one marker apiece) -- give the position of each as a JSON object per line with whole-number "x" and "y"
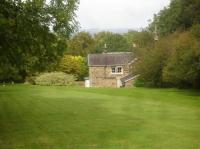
{"x": 36, "y": 117}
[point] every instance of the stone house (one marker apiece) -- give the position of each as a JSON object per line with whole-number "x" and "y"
{"x": 111, "y": 69}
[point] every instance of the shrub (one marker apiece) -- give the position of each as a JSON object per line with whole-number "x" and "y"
{"x": 142, "y": 83}
{"x": 55, "y": 78}
{"x": 30, "y": 80}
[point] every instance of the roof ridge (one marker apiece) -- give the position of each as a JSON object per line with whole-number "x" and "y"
{"x": 109, "y": 53}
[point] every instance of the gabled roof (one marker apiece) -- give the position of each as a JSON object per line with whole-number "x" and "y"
{"x": 110, "y": 59}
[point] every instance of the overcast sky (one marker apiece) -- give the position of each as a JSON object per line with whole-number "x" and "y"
{"x": 106, "y": 14}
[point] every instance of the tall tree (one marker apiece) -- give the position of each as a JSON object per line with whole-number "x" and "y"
{"x": 180, "y": 15}
{"x": 28, "y": 44}
{"x": 62, "y": 16}
{"x": 80, "y": 44}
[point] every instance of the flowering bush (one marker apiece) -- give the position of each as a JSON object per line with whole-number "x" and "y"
{"x": 55, "y": 78}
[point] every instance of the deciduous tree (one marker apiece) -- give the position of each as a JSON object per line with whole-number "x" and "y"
{"x": 75, "y": 65}
{"x": 32, "y": 34}
{"x": 80, "y": 44}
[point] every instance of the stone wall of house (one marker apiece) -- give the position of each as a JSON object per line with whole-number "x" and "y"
{"x": 101, "y": 76}
{"x": 105, "y": 82}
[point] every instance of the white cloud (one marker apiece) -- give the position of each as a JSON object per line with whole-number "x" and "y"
{"x": 118, "y": 13}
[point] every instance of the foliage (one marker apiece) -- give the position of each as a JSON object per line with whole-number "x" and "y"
{"x": 183, "y": 67}
{"x": 141, "y": 39}
{"x": 180, "y": 15}
{"x": 174, "y": 61}
{"x": 30, "y": 80}
{"x": 33, "y": 35}
{"x": 55, "y": 78}
{"x": 150, "y": 66}
{"x": 81, "y": 44}
{"x": 75, "y": 65}
{"x": 168, "y": 19}
{"x": 138, "y": 42}
{"x": 9, "y": 73}
{"x": 143, "y": 83}
{"x": 62, "y": 16}
{"x": 114, "y": 42}
{"x": 190, "y": 13}
{"x": 195, "y": 31}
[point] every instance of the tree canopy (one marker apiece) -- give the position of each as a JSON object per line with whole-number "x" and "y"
{"x": 180, "y": 15}
{"x": 114, "y": 42}
{"x": 75, "y": 65}
{"x": 81, "y": 43}
{"x": 33, "y": 35}
{"x": 173, "y": 60}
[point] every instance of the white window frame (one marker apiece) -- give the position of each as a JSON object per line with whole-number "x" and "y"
{"x": 116, "y": 70}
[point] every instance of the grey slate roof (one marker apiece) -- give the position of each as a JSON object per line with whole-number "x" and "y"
{"x": 110, "y": 59}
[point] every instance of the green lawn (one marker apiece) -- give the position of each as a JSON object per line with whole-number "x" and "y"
{"x": 35, "y": 117}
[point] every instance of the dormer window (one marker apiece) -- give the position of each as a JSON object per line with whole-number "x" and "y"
{"x": 117, "y": 70}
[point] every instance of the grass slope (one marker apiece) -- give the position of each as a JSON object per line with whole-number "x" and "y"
{"x": 35, "y": 117}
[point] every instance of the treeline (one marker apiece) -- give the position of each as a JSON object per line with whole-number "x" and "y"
{"x": 174, "y": 60}
{"x": 36, "y": 36}
{"x": 179, "y": 15}
{"x": 84, "y": 43}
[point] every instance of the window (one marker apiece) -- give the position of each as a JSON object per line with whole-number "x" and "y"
{"x": 113, "y": 69}
{"x": 117, "y": 70}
